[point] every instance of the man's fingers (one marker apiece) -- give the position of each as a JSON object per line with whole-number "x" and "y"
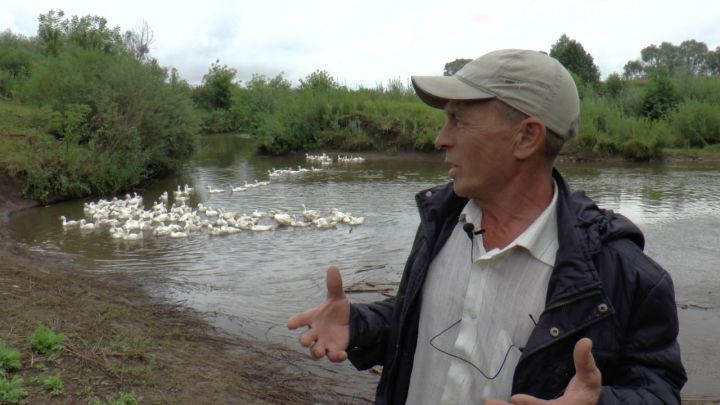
{"x": 585, "y": 368}
{"x": 334, "y": 284}
{"x": 317, "y": 351}
{"x": 522, "y": 399}
{"x": 301, "y": 319}
{"x": 307, "y": 338}
{"x": 337, "y": 356}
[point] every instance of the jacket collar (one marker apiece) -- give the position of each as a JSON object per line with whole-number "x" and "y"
{"x": 582, "y": 228}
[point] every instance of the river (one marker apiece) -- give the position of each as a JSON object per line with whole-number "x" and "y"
{"x": 250, "y": 282}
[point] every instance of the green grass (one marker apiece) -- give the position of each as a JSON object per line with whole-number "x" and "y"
{"x": 122, "y": 398}
{"x": 12, "y": 391}
{"x": 22, "y": 120}
{"x": 52, "y": 384}
{"x": 9, "y": 358}
{"x": 45, "y": 341}
{"x": 709, "y": 152}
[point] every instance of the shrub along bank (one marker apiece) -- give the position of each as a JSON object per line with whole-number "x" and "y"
{"x": 87, "y": 111}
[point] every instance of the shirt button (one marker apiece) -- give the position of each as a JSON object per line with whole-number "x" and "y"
{"x": 554, "y": 332}
{"x": 602, "y": 308}
{"x": 428, "y": 194}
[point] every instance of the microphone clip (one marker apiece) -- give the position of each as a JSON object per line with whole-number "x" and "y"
{"x": 469, "y": 228}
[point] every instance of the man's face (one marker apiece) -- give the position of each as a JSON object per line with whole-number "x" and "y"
{"x": 479, "y": 148}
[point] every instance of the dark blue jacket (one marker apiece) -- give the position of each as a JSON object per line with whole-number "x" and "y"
{"x": 602, "y": 286}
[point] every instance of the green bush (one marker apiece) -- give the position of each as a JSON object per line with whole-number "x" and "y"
{"x": 44, "y": 340}
{"x": 52, "y": 384}
{"x": 660, "y": 97}
{"x": 700, "y": 88}
{"x": 9, "y": 358}
{"x": 124, "y": 398}
{"x": 12, "y": 391}
{"x": 696, "y": 124}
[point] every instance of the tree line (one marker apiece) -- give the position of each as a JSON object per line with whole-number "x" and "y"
{"x": 667, "y": 98}
{"x": 99, "y": 114}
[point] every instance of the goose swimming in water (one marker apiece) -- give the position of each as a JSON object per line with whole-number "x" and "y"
{"x": 310, "y": 215}
{"x": 68, "y": 224}
{"x": 214, "y": 190}
{"x": 283, "y": 219}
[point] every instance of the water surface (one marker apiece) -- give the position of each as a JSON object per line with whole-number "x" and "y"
{"x": 251, "y": 282}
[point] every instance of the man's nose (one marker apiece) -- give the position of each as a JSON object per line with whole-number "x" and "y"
{"x": 443, "y": 140}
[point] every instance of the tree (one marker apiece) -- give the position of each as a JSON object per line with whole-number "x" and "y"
{"x": 50, "y": 31}
{"x": 573, "y": 56}
{"x": 633, "y": 70}
{"x": 690, "y": 56}
{"x": 712, "y": 62}
{"x": 452, "y": 67}
{"x": 319, "y": 80}
{"x": 138, "y": 42}
{"x": 613, "y": 85}
{"x": 660, "y": 98}
{"x": 216, "y": 89}
{"x": 89, "y": 32}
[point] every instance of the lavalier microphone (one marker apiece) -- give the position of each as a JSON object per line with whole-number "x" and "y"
{"x": 470, "y": 230}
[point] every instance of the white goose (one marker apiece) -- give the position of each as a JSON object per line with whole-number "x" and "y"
{"x": 86, "y": 226}
{"x": 325, "y": 223}
{"x": 310, "y": 215}
{"x": 68, "y": 224}
{"x": 356, "y": 220}
{"x": 214, "y": 190}
{"x": 283, "y": 219}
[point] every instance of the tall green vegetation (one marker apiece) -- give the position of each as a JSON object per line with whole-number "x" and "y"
{"x": 669, "y": 97}
{"x": 85, "y": 110}
{"x": 112, "y": 117}
{"x": 574, "y": 57}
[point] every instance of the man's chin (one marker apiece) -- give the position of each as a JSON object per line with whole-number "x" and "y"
{"x": 458, "y": 190}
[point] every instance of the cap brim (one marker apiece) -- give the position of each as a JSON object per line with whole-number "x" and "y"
{"x": 436, "y": 91}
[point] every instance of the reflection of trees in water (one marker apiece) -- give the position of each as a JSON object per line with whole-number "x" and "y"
{"x": 648, "y": 193}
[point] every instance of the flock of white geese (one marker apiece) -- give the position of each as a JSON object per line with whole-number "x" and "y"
{"x": 326, "y": 159}
{"x": 127, "y": 219}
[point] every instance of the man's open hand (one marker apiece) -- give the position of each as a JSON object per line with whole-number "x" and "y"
{"x": 583, "y": 389}
{"x": 329, "y": 330}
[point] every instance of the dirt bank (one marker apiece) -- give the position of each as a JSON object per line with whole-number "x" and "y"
{"x": 120, "y": 340}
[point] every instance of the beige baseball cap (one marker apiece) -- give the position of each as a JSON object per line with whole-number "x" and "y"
{"x": 530, "y": 81}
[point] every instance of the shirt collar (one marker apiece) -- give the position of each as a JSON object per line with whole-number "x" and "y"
{"x": 540, "y": 238}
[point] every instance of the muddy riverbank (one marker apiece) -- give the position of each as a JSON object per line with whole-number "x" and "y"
{"x": 122, "y": 341}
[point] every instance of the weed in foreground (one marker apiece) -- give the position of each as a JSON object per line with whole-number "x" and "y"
{"x": 44, "y": 340}
{"x": 12, "y": 391}
{"x": 122, "y": 398}
{"x": 51, "y": 384}
{"x": 9, "y": 358}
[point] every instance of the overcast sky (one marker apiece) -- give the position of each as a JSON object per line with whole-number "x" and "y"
{"x": 366, "y": 42}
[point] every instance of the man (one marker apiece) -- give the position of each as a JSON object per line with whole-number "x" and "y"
{"x": 515, "y": 289}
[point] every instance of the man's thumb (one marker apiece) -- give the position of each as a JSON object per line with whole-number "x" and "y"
{"x": 334, "y": 283}
{"x": 585, "y": 368}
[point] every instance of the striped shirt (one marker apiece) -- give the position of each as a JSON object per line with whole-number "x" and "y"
{"x": 477, "y": 313}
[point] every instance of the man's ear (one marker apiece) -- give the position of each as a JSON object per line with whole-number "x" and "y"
{"x": 530, "y": 138}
